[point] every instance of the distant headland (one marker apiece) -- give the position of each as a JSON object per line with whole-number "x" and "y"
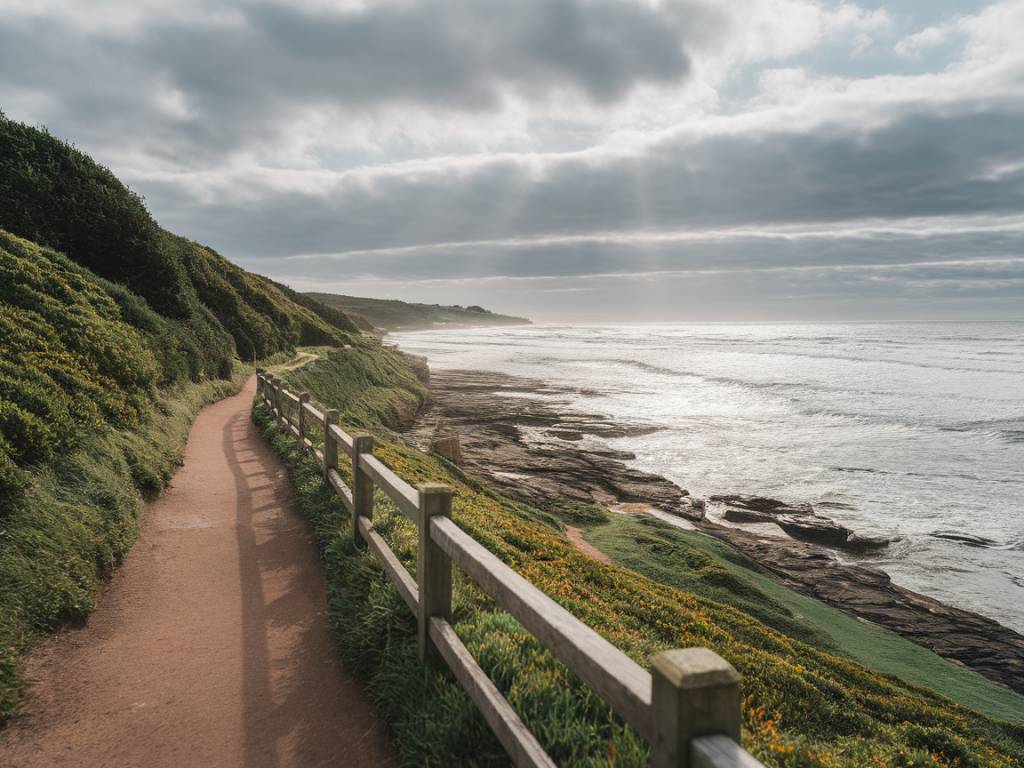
{"x": 392, "y": 315}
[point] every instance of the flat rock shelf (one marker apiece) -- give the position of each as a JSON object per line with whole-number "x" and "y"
{"x": 520, "y": 434}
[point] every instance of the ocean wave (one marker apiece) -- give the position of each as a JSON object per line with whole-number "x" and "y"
{"x": 865, "y": 470}
{"x": 929, "y": 475}
{"x": 1010, "y": 430}
{"x": 1015, "y": 434}
{"x": 979, "y": 542}
{"x": 789, "y": 345}
{"x": 887, "y": 361}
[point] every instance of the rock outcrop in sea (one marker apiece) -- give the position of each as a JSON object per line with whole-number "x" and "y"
{"x": 798, "y": 520}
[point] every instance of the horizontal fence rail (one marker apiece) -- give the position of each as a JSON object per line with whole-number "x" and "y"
{"x": 620, "y": 681}
{"x": 687, "y": 707}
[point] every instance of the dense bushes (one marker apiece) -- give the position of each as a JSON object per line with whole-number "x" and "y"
{"x": 56, "y": 196}
{"x": 332, "y": 315}
{"x": 802, "y": 706}
{"x": 260, "y": 315}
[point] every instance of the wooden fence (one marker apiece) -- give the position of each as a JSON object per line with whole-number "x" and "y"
{"x": 687, "y": 707}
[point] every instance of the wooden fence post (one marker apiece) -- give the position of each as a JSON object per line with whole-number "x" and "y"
{"x": 695, "y": 692}
{"x": 259, "y": 384}
{"x": 433, "y": 570}
{"x": 362, "y": 485}
{"x": 276, "y": 397}
{"x": 330, "y": 443}
{"x": 303, "y": 399}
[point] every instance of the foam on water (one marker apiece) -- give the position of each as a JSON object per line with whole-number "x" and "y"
{"x": 911, "y": 429}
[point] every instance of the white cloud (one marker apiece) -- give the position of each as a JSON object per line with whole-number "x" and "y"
{"x": 928, "y": 38}
{"x": 862, "y": 25}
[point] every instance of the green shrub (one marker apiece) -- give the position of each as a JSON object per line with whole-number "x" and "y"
{"x": 12, "y": 480}
{"x": 262, "y": 316}
{"x": 57, "y": 196}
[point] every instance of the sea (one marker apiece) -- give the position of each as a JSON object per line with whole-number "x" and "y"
{"x": 913, "y": 431}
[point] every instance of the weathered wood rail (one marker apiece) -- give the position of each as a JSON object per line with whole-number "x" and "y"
{"x": 687, "y": 707}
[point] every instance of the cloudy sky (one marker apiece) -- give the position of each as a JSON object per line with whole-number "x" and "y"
{"x": 563, "y": 159}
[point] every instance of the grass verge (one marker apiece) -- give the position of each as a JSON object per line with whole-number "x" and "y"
{"x": 703, "y": 565}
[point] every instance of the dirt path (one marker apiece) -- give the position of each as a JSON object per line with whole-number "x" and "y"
{"x": 575, "y": 536}
{"x": 301, "y": 359}
{"x": 210, "y": 646}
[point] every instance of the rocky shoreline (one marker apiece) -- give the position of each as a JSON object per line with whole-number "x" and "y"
{"x": 520, "y": 435}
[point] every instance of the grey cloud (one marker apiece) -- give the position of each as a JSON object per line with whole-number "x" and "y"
{"x": 973, "y": 253}
{"x": 921, "y": 166}
{"x": 249, "y": 82}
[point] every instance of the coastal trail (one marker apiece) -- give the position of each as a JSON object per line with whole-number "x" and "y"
{"x": 575, "y": 536}
{"x": 210, "y": 645}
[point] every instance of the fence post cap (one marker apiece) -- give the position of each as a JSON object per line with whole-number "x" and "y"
{"x": 691, "y": 668}
{"x": 362, "y": 442}
{"x": 304, "y": 397}
{"x": 433, "y": 489}
{"x": 331, "y": 414}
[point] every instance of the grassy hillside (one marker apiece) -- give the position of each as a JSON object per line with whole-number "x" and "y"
{"x": 391, "y": 315}
{"x": 803, "y": 705}
{"x": 700, "y": 564}
{"x": 85, "y": 433}
{"x": 113, "y": 334}
{"x": 374, "y": 383}
{"x": 54, "y": 195}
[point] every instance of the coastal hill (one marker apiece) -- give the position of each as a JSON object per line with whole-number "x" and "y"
{"x": 57, "y": 197}
{"x": 113, "y": 332}
{"x": 392, "y": 315}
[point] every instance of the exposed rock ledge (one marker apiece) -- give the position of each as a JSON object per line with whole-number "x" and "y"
{"x": 509, "y": 438}
{"x": 538, "y": 450}
{"x": 800, "y": 521}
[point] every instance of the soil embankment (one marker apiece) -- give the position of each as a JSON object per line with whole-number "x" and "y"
{"x": 210, "y": 645}
{"x": 520, "y": 435}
